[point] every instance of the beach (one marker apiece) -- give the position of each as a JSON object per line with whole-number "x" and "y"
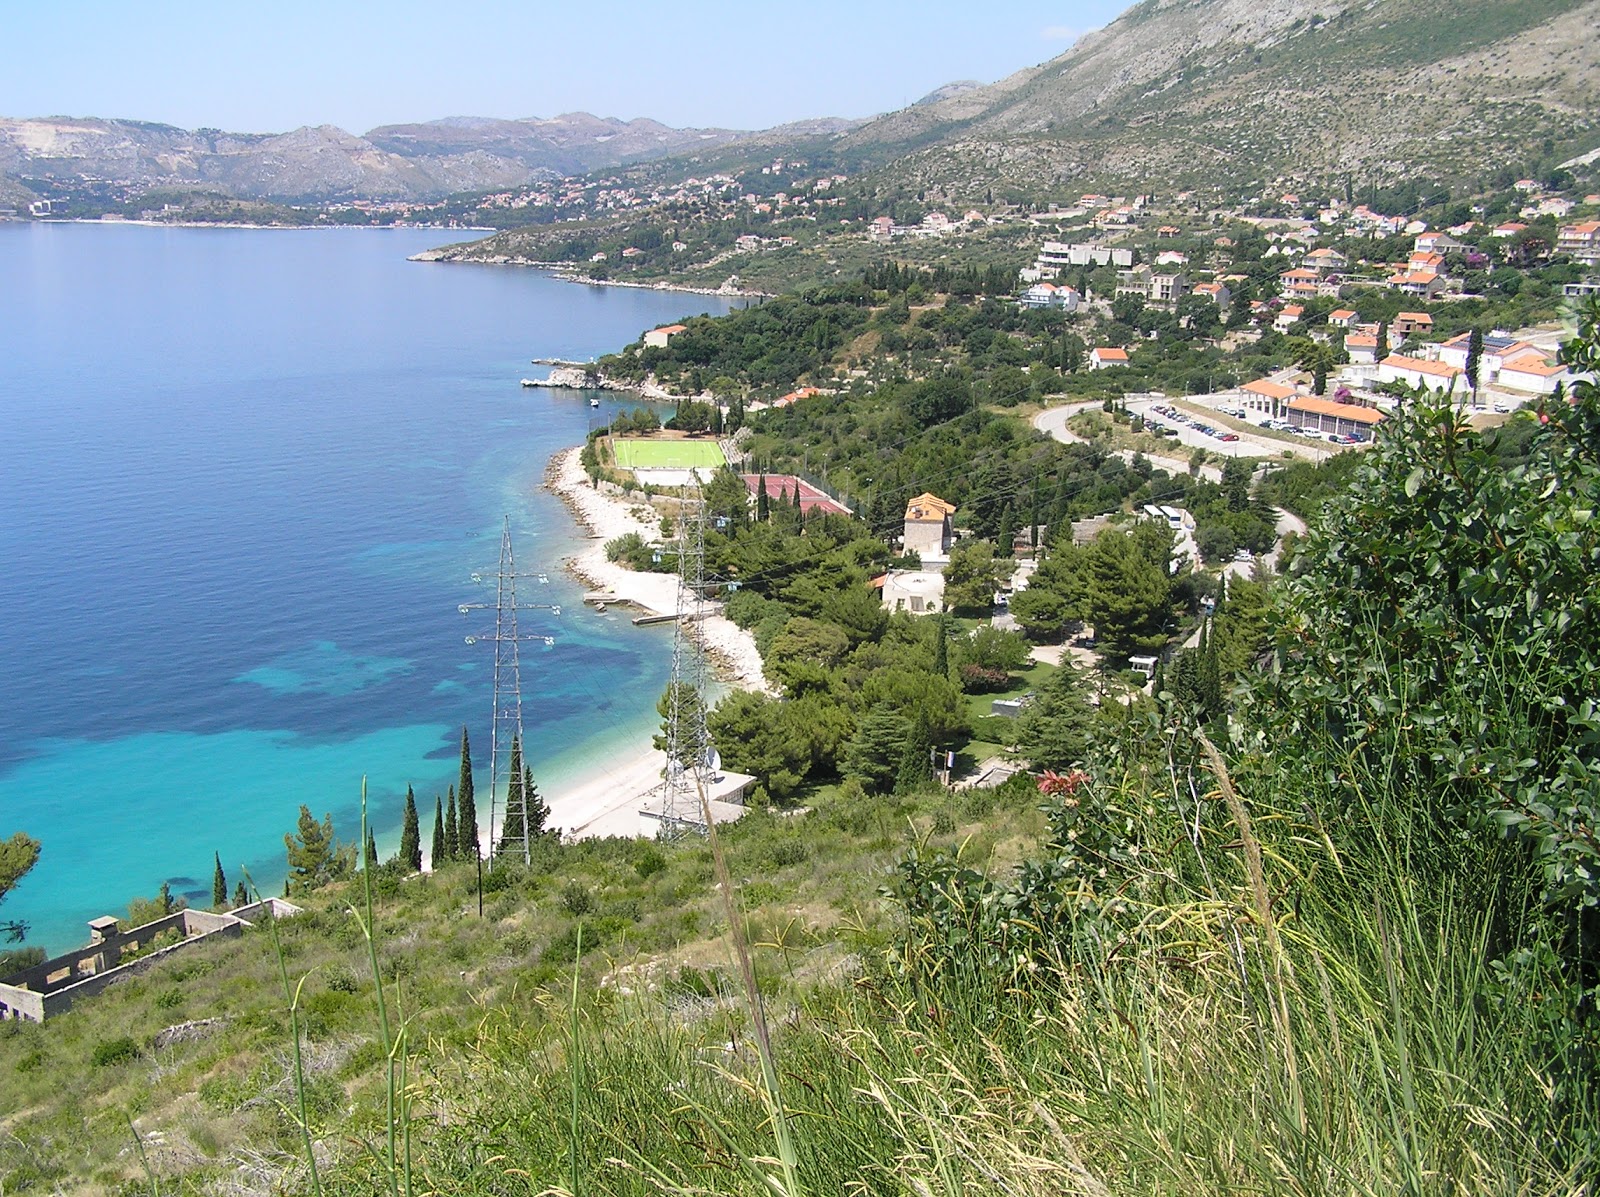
{"x": 605, "y": 801}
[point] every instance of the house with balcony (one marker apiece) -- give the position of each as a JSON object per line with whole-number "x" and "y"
{"x": 1581, "y": 242}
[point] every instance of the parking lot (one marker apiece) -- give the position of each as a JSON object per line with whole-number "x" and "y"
{"x": 1200, "y": 432}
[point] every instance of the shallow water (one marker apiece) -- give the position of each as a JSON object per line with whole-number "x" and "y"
{"x": 245, "y": 478}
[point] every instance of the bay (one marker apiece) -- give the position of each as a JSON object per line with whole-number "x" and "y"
{"x": 245, "y": 479}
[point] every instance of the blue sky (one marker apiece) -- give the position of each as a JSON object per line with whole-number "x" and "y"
{"x": 279, "y": 64}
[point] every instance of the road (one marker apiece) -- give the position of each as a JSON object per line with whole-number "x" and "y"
{"x": 1053, "y": 422}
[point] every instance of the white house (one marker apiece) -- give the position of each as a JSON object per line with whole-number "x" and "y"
{"x": 928, "y": 529}
{"x": 1362, "y": 349}
{"x": 657, "y": 338}
{"x": 1582, "y": 241}
{"x": 913, "y": 590}
{"x": 1532, "y": 372}
{"x": 1048, "y": 295}
{"x": 1102, "y": 357}
{"x": 1419, "y": 372}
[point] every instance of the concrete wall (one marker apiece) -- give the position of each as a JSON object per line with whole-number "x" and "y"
{"x": 52, "y": 987}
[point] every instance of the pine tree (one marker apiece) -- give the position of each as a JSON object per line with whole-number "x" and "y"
{"x": 511, "y": 829}
{"x": 452, "y": 842}
{"x": 239, "y": 896}
{"x": 436, "y": 857}
{"x": 538, "y": 810}
{"x": 467, "y": 818}
{"x": 219, "y": 884}
{"x": 314, "y": 855}
{"x": 410, "y": 854}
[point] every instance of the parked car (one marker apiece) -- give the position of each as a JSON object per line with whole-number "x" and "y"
{"x": 1229, "y": 436}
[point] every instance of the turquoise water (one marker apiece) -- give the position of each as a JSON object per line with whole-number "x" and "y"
{"x": 245, "y": 477}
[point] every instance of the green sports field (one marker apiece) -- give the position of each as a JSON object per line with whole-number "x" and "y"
{"x": 669, "y": 455}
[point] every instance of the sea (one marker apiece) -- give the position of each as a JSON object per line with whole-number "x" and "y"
{"x": 247, "y": 481}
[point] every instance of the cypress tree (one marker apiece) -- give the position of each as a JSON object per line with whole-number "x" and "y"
{"x": 511, "y": 829}
{"x": 1209, "y": 677}
{"x": 941, "y": 647}
{"x": 1036, "y": 516}
{"x": 763, "y": 503}
{"x": 371, "y": 860}
{"x": 452, "y": 842}
{"x": 436, "y": 857}
{"x": 219, "y": 884}
{"x": 1474, "y": 357}
{"x": 1383, "y": 339}
{"x": 1007, "y": 535}
{"x": 467, "y": 819}
{"x": 410, "y": 853}
{"x": 239, "y": 896}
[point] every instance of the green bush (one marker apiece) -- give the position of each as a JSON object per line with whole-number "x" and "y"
{"x": 109, "y": 1052}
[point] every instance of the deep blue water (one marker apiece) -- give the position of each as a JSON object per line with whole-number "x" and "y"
{"x": 245, "y": 477}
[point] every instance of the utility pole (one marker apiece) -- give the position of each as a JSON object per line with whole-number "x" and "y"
{"x": 506, "y": 720}
{"x": 690, "y": 758}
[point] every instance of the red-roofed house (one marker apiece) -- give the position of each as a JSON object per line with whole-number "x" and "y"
{"x": 1102, "y": 357}
{"x": 1424, "y": 284}
{"x": 657, "y": 338}
{"x": 1288, "y": 317}
{"x": 1582, "y": 241}
{"x": 1532, "y": 372}
{"x": 1419, "y": 372}
{"x": 1342, "y": 317}
{"x": 928, "y": 529}
{"x": 1406, "y": 323}
{"x": 1362, "y": 349}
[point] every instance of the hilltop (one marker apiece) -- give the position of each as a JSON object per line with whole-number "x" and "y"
{"x": 1231, "y": 92}
{"x": 406, "y": 162}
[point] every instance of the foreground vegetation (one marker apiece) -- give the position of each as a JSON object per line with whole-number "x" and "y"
{"x": 1333, "y": 932}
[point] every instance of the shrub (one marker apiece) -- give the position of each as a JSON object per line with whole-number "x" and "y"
{"x": 114, "y": 1051}
{"x": 576, "y": 899}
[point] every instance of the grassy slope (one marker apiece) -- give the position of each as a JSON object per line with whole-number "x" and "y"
{"x": 223, "y": 1099}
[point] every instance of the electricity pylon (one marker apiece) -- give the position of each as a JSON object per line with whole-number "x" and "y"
{"x": 689, "y": 755}
{"x": 506, "y": 725}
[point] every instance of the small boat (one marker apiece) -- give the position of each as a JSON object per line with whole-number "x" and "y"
{"x": 594, "y": 403}
{"x": 530, "y": 382}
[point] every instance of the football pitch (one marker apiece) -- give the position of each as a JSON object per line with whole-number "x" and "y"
{"x": 671, "y": 455}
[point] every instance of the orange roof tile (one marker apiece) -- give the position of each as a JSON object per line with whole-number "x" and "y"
{"x": 1331, "y": 407}
{"x": 928, "y": 506}
{"x": 1269, "y": 389}
{"x": 1421, "y": 365}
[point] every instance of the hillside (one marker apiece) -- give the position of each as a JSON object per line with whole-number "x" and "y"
{"x": 406, "y": 162}
{"x": 1234, "y": 92}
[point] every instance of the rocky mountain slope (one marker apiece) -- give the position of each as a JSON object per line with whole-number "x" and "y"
{"x": 1178, "y": 91}
{"x": 418, "y": 161}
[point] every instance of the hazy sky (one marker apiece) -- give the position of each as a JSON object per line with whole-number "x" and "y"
{"x": 278, "y": 64}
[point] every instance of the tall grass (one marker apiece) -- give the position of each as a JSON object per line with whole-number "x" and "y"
{"x": 1297, "y": 1017}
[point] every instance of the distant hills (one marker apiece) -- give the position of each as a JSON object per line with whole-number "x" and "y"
{"x": 420, "y": 161}
{"x": 1230, "y": 91}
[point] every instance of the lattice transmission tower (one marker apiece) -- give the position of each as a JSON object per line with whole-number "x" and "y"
{"x": 690, "y": 760}
{"x": 506, "y": 724}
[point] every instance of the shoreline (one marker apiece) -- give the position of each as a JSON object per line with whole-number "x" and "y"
{"x": 566, "y": 273}
{"x": 730, "y": 649}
